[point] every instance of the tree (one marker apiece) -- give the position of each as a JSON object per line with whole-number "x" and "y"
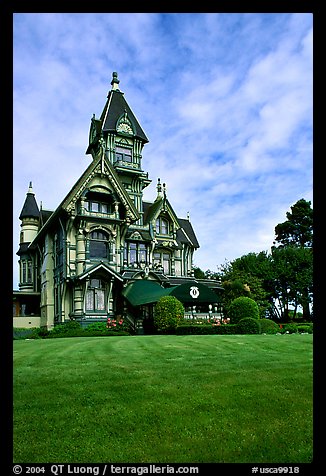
{"x": 292, "y": 279}
{"x": 198, "y": 273}
{"x": 298, "y": 231}
{"x": 245, "y": 277}
{"x": 298, "y": 228}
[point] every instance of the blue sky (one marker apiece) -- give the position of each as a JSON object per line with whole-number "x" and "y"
{"x": 224, "y": 98}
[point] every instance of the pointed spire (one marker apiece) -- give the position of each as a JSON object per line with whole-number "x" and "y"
{"x": 30, "y": 208}
{"x": 115, "y": 82}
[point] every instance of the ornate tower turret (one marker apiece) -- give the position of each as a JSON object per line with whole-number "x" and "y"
{"x": 120, "y": 134}
{"x": 29, "y": 217}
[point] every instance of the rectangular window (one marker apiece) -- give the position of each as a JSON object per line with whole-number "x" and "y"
{"x": 132, "y": 252}
{"x": 162, "y": 226}
{"x": 29, "y": 272}
{"x": 95, "y": 296}
{"x": 123, "y": 154}
{"x": 99, "y": 300}
{"x": 157, "y": 258}
{"x": 95, "y": 207}
{"x": 98, "y": 249}
{"x": 90, "y": 300}
{"x": 142, "y": 252}
{"x": 24, "y": 271}
{"x": 166, "y": 263}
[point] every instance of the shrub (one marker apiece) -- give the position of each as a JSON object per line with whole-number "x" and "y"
{"x": 24, "y": 333}
{"x": 197, "y": 329}
{"x": 242, "y": 307}
{"x": 168, "y": 312}
{"x": 248, "y": 325}
{"x": 267, "y": 326}
{"x": 289, "y": 329}
{"x": 65, "y": 328}
{"x": 305, "y": 328}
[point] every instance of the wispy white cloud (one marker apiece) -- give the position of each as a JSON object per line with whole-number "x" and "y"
{"x": 225, "y": 99}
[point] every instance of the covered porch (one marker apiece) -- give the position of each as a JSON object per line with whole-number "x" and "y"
{"x": 200, "y": 301}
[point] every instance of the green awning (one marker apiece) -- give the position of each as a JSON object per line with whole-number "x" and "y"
{"x": 144, "y": 291}
{"x": 194, "y": 293}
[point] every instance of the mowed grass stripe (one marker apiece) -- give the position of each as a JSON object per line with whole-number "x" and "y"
{"x": 167, "y": 399}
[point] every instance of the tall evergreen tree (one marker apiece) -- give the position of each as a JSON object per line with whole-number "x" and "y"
{"x": 297, "y": 231}
{"x": 298, "y": 228}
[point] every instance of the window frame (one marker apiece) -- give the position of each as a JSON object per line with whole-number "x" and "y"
{"x": 96, "y": 294}
{"x": 102, "y": 207}
{"x": 139, "y": 252}
{"x": 121, "y": 155}
{"x": 92, "y": 253}
{"x": 159, "y": 259}
{"x": 162, "y": 226}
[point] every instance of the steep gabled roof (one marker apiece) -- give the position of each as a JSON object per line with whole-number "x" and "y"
{"x": 185, "y": 234}
{"x": 78, "y": 187}
{"x": 115, "y": 107}
{"x": 153, "y": 209}
{"x": 186, "y": 231}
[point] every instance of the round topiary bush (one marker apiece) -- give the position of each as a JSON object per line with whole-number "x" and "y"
{"x": 267, "y": 326}
{"x": 168, "y": 312}
{"x": 242, "y": 307}
{"x": 248, "y": 325}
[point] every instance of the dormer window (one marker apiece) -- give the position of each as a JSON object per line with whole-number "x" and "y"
{"x": 162, "y": 226}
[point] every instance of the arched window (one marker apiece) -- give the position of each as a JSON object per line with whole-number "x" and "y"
{"x": 98, "y": 245}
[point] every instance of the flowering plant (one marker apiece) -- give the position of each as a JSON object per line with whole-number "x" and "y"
{"x": 114, "y": 323}
{"x": 215, "y": 321}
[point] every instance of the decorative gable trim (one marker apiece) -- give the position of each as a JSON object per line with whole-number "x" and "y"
{"x": 101, "y": 167}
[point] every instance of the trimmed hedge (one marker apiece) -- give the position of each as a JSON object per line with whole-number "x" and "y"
{"x": 168, "y": 312}
{"x": 267, "y": 326}
{"x": 24, "y": 333}
{"x": 199, "y": 329}
{"x": 248, "y": 325}
{"x": 243, "y": 307}
{"x": 305, "y": 328}
{"x": 71, "y": 329}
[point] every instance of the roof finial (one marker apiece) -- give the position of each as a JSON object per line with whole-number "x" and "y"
{"x": 30, "y": 188}
{"x": 115, "y": 82}
{"x": 159, "y": 188}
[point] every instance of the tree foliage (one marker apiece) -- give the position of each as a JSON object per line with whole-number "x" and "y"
{"x": 297, "y": 232}
{"x": 298, "y": 228}
{"x": 278, "y": 279}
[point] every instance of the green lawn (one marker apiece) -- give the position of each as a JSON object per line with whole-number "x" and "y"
{"x": 164, "y": 399}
